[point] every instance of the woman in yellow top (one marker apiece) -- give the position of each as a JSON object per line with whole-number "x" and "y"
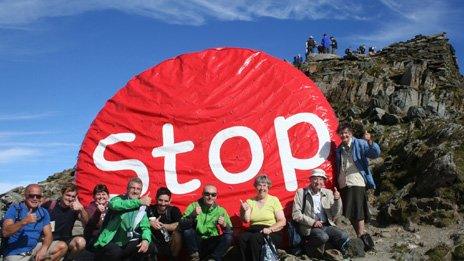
{"x": 265, "y": 214}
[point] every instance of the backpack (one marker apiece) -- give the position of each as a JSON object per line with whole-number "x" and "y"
{"x": 292, "y": 228}
{"x": 4, "y": 240}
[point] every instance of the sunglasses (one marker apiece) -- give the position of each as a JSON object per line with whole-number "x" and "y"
{"x": 32, "y": 196}
{"x": 207, "y": 194}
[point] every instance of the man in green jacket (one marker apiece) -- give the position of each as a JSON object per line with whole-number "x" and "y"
{"x": 126, "y": 233}
{"x": 206, "y": 227}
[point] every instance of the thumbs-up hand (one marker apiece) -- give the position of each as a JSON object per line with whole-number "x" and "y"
{"x": 198, "y": 210}
{"x": 76, "y": 205}
{"x": 221, "y": 221}
{"x": 146, "y": 200}
{"x": 101, "y": 208}
{"x": 336, "y": 194}
{"x": 244, "y": 205}
{"x": 30, "y": 218}
{"x": 367, "y": 136}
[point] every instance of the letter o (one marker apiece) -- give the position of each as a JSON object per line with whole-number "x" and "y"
{"x": 257, "y": 155}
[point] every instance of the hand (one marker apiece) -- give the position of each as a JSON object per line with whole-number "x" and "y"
{"x": 198, "y": 210}
{"x": 367, "y": 136}
{"x": 336, "y": 194}
{"x": 143, "y": 246}
{"x": 317, "y": 224}
{"x": 101, "y": 208}
{"x": 146, "y": 200}
{"x": 156, "y": 224}
{"x": 298, "y": 218}
{"x": 76, "y": 205}
{"x": 30, "y": 218}
{"x": 244, "y": 205}
{"x": 266, "y": 231}
{"x": 221, "y": 221}
{"x": 41, "y": 254}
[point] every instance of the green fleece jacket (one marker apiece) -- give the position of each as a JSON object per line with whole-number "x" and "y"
{"x": 206, "y": 221}
{"x": 122, "y": 213}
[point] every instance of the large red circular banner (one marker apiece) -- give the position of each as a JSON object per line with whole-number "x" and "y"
{"x": 221, "y": 117}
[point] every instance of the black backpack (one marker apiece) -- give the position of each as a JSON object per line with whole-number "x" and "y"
{"x": 294, "y": 236}
{"x": 4, "y": 240}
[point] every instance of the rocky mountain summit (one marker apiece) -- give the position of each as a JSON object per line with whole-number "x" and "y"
{"x": 410, "y": 96}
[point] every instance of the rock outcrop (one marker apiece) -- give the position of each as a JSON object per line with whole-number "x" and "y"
{"x": 410, "y": 97}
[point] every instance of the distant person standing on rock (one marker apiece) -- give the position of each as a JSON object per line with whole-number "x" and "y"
{"x": 362, "y": 49}
{"x": 333, "y": 45}
{"x": 311, "y": 45}
{"x": 354, "y": 178}
{"x": 326, "y": 42}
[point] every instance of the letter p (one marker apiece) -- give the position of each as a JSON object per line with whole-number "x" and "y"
{"x": 290, "y": 163}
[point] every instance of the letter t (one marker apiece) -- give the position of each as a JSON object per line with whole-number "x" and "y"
{"x": 169, "y": 151}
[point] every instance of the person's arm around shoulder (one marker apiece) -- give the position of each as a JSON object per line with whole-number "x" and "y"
{"x": 47, "y": 239}
{"x": 120, "y": 204}
{"x": 10, "y": 226}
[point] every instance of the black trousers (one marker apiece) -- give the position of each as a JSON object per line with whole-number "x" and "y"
{"x": 113, "y": 252}
{"x": 252, "y": 240}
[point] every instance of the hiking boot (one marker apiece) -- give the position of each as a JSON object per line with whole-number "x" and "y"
{"x": 333, "y": 255}
{"x": 195, "y": 256}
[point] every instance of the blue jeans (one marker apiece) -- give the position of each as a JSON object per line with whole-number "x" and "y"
{"x": 214, "y": 247}
{"x": 316, "y": 240}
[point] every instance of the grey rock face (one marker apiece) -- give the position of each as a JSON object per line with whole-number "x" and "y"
{"x": 412, "y": 98}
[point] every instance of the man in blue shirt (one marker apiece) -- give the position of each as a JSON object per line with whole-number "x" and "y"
{"x": 23, "y": 225}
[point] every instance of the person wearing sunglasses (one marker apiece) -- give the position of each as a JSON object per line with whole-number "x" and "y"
{"x": 206, "y": 227}
{"x": 266, "y": 217}
{"x": 23, "y": 225}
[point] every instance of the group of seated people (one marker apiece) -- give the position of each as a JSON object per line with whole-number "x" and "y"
{"x": 129, "y": 227}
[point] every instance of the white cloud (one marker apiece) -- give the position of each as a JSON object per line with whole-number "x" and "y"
{"x": 9, "y": 134}
{"x": 410, "y": 18}
{"x": 16, "y": 154}
{"x": 25, "y": 116}
{"x": 14, "y": 13}
{"x": 38, "y": 145}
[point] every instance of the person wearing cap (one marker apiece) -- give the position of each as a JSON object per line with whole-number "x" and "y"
{"x": 353, "y": 176}
{"x": 316, "y": 217}
{"x": 311, "y": 45}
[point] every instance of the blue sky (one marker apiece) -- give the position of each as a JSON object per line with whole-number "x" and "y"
{"x": 61, "y": 60}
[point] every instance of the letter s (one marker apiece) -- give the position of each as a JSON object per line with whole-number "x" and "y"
{"x": 130, "y": 164}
